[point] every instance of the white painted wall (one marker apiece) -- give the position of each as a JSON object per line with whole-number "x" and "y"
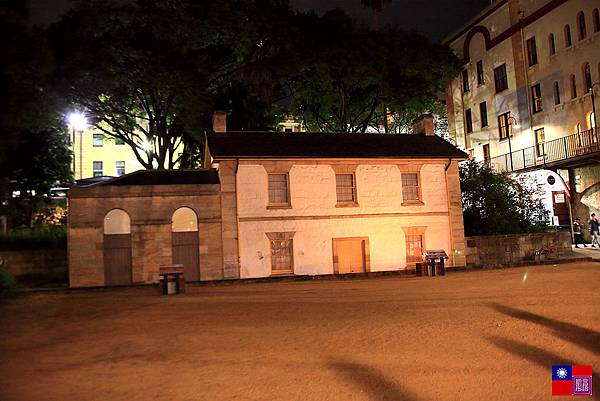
{"x": 312, "y": 189}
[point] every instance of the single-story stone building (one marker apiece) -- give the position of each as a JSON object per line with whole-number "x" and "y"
{"x": 273, "y": 204}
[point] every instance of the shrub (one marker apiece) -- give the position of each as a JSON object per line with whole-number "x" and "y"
{"x": 7, "y": 281}
{"x": 52, "y": 237}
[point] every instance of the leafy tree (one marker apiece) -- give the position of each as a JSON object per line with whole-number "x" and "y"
{"x": 152, "y": 72}
{"x": 34, "y": 154}
{"x": 494, "y": 203}
{"x": 353, "y": 78}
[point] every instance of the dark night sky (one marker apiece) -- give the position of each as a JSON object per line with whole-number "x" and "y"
{"x": 433, "y": 18}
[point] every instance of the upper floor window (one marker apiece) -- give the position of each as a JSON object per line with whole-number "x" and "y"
{"x": 587, "y": 77}
{"x": 500, "y": 78}
{"x": 568, "y": 40}
{"x": 573, "y": 87}
{"x": 97, "y": 169}
{"x": 596, "y": 18}
{"x": 345, "y": 188}
{"x": 504, "y": 125}
{"x": 279, "y": 190}
{"x": 480, "y": 76}
{"x": 556, "y": 93}
{"x": 536, "y": 98}
{"x": 97, "y": 140}
{"x": 410, "y": 188}
{"x": 532, "y": 51}
{"x": 468, "y": 121}
{"x": 581, "y": 26}
{"x": 483, "y": 113}
{"x": 551, "y": 44}
{"x": 119, "y": 141}
{"x": 465, "y": 80}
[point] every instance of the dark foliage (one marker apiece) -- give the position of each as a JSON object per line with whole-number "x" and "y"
{"x": 494, "y": 203}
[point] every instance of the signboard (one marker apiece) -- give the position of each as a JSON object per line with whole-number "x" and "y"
{"x": 559, "y": 197}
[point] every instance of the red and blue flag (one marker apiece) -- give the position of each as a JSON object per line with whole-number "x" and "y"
{"x": 571, "y": 380}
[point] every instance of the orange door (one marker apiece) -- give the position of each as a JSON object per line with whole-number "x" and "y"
{"x": 350, "y": 255}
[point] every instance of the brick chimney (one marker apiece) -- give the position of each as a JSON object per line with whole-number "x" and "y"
{"x": 423, "y": 125}
{"x": 219, "y": 121}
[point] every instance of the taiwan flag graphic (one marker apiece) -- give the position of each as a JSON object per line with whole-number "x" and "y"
{"x": 571, "y": 380}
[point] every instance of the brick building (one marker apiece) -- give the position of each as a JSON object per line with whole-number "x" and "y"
{"x": 272, "y": 204}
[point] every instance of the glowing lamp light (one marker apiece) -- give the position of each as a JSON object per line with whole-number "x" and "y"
{"x": 77, "y": 121}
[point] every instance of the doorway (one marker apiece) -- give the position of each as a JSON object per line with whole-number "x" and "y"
{"x": 185, "y": 242}
{"x": 117, "y": 248}
{"x": 351, "y": 255}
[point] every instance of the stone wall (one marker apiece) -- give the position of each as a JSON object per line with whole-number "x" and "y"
{"x": 39, "y": 266}
{"x": 150, "y": 208}
{"x": 500, "y": 250}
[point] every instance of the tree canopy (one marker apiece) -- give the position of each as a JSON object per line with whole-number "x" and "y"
{"x": 494, "y": 203}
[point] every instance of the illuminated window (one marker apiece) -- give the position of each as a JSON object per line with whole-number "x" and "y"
{"x": 581, "y": 25}
{"x": 97, "y": 140}
{"x": 568, "y": 41}
{"x": 480, "y": 76}
{"x": 536, "y": 98}
{"x": 592, "y": 120}
{"x": 345, "y": 188}
{"x": 483, "y": 113}
{"x": 468, "y": 121}
{"x": 551, "y": 44}
{"x": 278, "y": 189}
{"x": 97, "y": 169}
{"x": 500, "y": 78}
{"x": 540, "y": 139}
{"x": 410, "y": 187}
{"x": 504, "y": 125}
{"x": 120, "y": 168}
{"x": 414, "y": 248}
{"x": 532, "y": 51}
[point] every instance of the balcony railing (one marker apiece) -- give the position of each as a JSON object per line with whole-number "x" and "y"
{"x": 568, "y": 147}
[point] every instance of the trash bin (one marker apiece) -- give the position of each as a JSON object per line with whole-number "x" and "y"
{"x": 171, "y": 279}
{"x": 435, "y": 262}
{"x": 421, "y": 269}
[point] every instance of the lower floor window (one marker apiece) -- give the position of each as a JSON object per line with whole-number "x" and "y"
{"x": 97, "y": 169}
{"x": 414, "y": 248}
{"x": 282, "y": 252}
{"x": 120, "y": 168}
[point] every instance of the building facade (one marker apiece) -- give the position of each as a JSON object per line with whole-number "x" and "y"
{"x": 525, "y": 98}
{"x": 274, "y": 204}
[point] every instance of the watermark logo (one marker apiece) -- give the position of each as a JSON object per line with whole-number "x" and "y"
{"x": 571, "y": 380}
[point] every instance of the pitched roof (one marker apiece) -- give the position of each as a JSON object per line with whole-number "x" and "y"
{"x": 165, "y": 177}
{"x": 328, "y": 145}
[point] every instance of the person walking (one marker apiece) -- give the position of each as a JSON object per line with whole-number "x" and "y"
{"x": 594, "y": 230}
{"x": 577, "y": 233}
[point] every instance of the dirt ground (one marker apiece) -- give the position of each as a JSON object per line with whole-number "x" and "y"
{"x": 483, "y": 335}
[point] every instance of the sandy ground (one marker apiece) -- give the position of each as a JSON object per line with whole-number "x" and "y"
{"x": 485, "y": 335}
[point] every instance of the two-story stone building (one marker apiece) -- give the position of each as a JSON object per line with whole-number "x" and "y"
{"x": 282, "y": 204}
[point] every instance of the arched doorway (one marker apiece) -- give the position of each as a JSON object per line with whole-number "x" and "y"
{"x": 184, "y": 242}
{"x": 117, "y": 248}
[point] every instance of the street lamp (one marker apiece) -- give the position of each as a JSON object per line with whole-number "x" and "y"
{"x": 78, "y": 122}
{"x": 511, "y": 122}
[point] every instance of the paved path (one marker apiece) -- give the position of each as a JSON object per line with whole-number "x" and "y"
{"x": 593, "y": 252}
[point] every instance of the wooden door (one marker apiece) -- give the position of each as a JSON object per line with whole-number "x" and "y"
{"x": 185, "y": 251}
{"x": 117, "y": 259}
{"x": 349, "y": 255}
{"x": 561, "y": 208}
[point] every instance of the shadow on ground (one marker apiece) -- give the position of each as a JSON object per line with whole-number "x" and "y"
{"x": 580, "y": 336}
{"x": 540, "y": 357}
{"x": 371, "y": 381}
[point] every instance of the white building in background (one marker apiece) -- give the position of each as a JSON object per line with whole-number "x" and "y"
{"x": 525, "y": 98}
